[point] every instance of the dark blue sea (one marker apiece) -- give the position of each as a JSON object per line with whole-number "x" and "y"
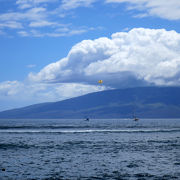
{"x": 110, "y": 149}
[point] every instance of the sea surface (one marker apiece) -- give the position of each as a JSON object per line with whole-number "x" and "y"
{"x": 105, "y": 149}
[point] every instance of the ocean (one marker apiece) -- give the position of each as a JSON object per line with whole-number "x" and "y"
{"x": 75, "y": 149}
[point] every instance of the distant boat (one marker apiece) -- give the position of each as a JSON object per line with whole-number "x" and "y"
{"x": 87, "y": 119}
{"x": 135, "y": 118}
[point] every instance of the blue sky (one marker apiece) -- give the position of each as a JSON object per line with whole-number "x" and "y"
{"x": 56, "y": 49}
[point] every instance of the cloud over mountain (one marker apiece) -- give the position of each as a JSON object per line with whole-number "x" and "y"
{"x": 138, "y": 57}
{"x": 23, "y": 93}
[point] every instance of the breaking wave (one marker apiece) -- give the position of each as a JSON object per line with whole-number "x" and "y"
{"x": 71, "y": 130}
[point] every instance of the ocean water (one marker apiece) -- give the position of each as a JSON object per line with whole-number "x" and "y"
{"x": 97, "y": 149}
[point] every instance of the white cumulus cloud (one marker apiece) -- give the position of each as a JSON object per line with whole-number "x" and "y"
{"x": 138, "y": 57}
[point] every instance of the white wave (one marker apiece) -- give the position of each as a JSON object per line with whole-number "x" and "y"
{"x": 88, "y": 130}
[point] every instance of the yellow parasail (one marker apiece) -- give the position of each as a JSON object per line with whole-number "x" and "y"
{"x": 100, "y": 81}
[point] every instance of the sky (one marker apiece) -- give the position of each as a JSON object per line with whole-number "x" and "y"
{"x": 51, "y": 50}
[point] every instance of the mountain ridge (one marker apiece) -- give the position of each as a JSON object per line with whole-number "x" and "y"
{"x": 146, "y": 102}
